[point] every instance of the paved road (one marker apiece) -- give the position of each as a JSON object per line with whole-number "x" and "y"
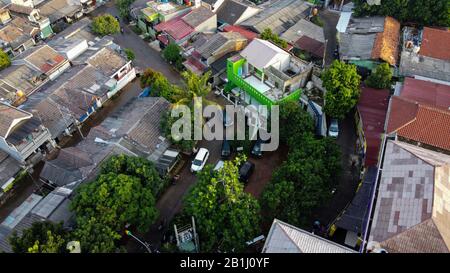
{"x": 349, "y": 179}
{"x": 330, "y": 20}
{"x": 145, "y": 55}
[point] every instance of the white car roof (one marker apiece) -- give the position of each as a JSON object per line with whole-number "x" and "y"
{"x": 201, "y": 153}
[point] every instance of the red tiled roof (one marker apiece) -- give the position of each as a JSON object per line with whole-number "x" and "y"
{"x": 176, "y": 27}
{"x": 421, "y": 123}
{"x": 250, "y": 35}
{"x": 372, "y": 106}
{"x": 312, "y": 46}
{"x": 435, "y": 43}
{"x": 402, "y": 111}
{"x": 46, "y": 67}
{"x": 425, "y": 92}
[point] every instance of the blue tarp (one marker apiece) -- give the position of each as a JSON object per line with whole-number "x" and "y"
{"x": 145, "y": 92}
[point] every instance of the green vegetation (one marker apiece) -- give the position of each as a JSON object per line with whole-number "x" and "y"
{"x": 342, "y": 84}
{"x": 304, "y": 181}
{"x": 186, "y": 145}
{"x": 130, "y": 54}
{"x": 381, "y": 77}
{"x": 41, "y": 237}
{"x": 160, "y": 85}
{"x": 4, "y": 60}
{"x": 294, "y": 121}
{"x": 123, "y": 193}
{"x": 268, "y": 35}
{"x": 422, "y": 12}
{"x": 226, "y": 216}
{"x": 105, "y": 24}
{"x": 124, "y": 8}
{"x": 172, "y": 53}
{"x": 317, "y": 21}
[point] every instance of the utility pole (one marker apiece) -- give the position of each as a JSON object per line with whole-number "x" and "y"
{"x": 145, "y": 244}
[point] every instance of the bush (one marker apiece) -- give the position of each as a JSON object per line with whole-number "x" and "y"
{"x": 4, "y": 60}
{"x": 130, "y": 54}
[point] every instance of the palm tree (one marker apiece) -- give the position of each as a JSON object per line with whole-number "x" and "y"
{"x": 196, "y": 87}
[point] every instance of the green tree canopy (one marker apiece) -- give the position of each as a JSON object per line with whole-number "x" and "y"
{"x": 172, "y": 53}
{"x": 41, "y": 237}
{"x": 95, "y": 236}
{"x": 422, "y": 12}
{"x": 303, "y": 182}
{"x": 225, "y": 215}
{"x": 105, "y": 24}
{"x": 342, "y": 84}
{"x": 124, "y": 7}
{"x": 268, "y": 35}
{"x": 4, "y": 60}
{"x": 137, "y": 167}
{"x": 160, "y": 85}
{"x": 381, "y": 77}
{"x": 294, "y": 121}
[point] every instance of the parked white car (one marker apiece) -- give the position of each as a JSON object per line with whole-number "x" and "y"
{"x": 333, "y": 130}
{"x": 200, "y": 160}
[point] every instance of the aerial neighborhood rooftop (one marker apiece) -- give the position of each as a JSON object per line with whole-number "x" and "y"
{"x": 357, "y": 92}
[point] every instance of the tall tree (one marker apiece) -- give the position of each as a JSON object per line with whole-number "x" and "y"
{"x": 341, "y": 82}
{"x": 105, "y": 24}
{"x": 160, "y": 85}
{"x": 116, "y": 199}
{"x": 422, "y": 12}
{"x": 172, "y": 53}
{"x": 196, "y": 87}
{"x": 41, "y": 237}
{"x": 381, "y": 77}
{"x": 303, "y": 182}
{"x": 226, "y": 216}
{"x": 294, "y": 121}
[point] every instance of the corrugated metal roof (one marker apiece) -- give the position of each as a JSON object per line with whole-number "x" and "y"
{"x": 285, "y": 238}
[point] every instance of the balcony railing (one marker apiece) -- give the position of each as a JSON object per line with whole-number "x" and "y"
{"x": 36, "y": 139}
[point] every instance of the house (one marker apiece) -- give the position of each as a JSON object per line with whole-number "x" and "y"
{"x": 216, "y": 47}
{"x": 234, "y": 12}
{"x": 43, "y": 59}
{"x": 54, "y": 207}
{"x": 425, "y": 54}
{"x": 133, "y": 130}
{"x": 17, "y": 36}
{"x": 278, "y": 16}
{"x": 370, "y": 40}
{"x": 180, "y": 29}
{"x": 285, "y": 238}
{"x": 34, "y": 18}
{"x": 19, "y": 81}
{"x": 249, "y": 35}
{"x": 264, "y": 74}
{"x": 419, "y": 123}
{"x": 306, "y": 36}
{"x": 9, "y": 168}
{"x": 213, "y": 5}
{"x": 61, "y": 11}
{"x": 5, "y": 16}
{"x": 21, "y": 133}
{"x": 157, "y": 12}
{"x": 412, "y": 206}
{"x": 370, "y": 118}
{"x": 27, "y": 3}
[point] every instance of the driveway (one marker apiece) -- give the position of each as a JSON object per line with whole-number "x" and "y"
{"x": 349, "y": 179}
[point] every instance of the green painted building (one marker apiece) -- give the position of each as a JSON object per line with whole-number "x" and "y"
{"x": 264, "y": 74}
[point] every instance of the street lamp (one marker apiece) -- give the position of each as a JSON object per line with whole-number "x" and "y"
{"x": 127, "y": 232}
